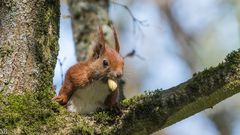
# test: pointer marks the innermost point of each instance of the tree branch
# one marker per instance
(185, 40)
(136, 22)
(156, 110)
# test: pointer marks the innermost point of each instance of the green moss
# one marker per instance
(200, 104)
(83, 130)
(46, 33)
(104, 117)
(234, 57)
(5, 50)
(8, 3)
(132, 101)
(36, 113)
(26, 112)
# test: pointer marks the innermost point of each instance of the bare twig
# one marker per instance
(185, 40)
(61, 69)
(66, 17)
(133, 53)
(136, 22)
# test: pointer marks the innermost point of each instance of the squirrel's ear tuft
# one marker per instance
(117, 46)
(100, 46)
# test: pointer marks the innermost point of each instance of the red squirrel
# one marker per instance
(85, 86)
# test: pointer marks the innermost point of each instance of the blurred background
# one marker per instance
(172, 39)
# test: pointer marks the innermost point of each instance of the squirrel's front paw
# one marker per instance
(62, 100)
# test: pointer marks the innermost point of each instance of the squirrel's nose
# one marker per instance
(119, 75)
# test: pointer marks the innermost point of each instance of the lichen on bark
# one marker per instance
(28, 44)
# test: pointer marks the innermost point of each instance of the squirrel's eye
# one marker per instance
(105, 63)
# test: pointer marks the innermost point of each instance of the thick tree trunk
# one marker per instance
(87, 15)
(28, 44)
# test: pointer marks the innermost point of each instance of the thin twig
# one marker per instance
(66, 16)
(133, 53)
(61, 69)
(136, 22)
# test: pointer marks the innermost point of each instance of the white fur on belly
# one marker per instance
(88, 99)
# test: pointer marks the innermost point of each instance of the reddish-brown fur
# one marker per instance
(82, 74)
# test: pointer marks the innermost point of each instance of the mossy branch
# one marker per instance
(156, 110)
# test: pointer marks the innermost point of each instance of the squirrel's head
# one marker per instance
(107, 61)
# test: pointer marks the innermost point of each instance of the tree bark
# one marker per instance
(87, 15)
(28, 44)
